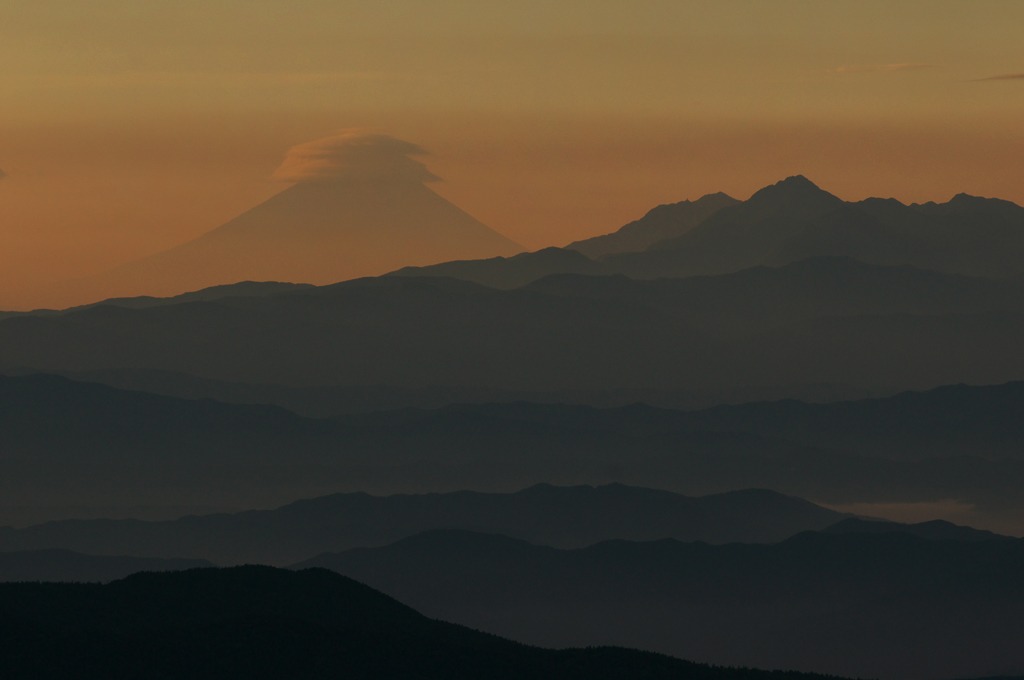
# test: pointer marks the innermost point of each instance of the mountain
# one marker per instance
(384, 331)
(72, 449)
(935, 530)
(763, 299)
(660, 224)
(969, 234)
(745, 313)
(258, 622)
(890, 606)
(241, 289)
(551, 515)
(786, 222)
(69, 447)
(318, 232)
(65, 565)
(510, 272)
(946, 421)
(897, 328)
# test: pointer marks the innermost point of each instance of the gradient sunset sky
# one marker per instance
(130, 126)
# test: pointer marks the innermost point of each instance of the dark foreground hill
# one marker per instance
(888, 605)
(559, 516)
(258, 622)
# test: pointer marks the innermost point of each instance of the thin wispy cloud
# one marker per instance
(882, 68)
(1002, 76)
(170, 79)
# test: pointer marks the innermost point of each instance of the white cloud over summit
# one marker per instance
(354, 155)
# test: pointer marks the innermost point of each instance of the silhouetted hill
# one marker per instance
(510, 272)
(67, 444)
(950, 420)
(559, 516)
(871, 605)
(66, 565)
(390, 331)
(763, 332)
(784, 309)
(765, 299)
(70, 449)
(794, 220)
(934, 530)
(211, 294)
(258, 622)
(660, 224)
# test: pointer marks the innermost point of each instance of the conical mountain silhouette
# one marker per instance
(323, 229)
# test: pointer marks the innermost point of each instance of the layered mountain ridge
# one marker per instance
(783, 223)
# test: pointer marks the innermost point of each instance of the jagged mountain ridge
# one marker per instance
(792, 220)
(659, 224)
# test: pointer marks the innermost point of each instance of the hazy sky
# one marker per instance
(128, 126)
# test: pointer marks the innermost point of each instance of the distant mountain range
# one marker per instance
(258, 622)
(73, 449)
(792, 293)
(887, 605)
(765, 332)
(933, 530)
(561, 367)
(786, 222)
(558, 516)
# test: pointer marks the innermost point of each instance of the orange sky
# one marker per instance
(128, 127)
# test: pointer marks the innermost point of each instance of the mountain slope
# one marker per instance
(511, 272)
(660, 224)
(935, 530)
(783, 327)
(947, 421)
(892, 606)
(257, 622)
(559, 516)
(318, 232)
(793, 220)
(70, 449)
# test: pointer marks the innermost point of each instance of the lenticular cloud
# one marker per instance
(354, 155)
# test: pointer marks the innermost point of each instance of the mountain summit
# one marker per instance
(358, 207)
